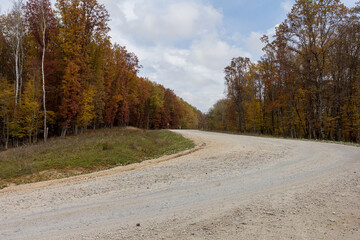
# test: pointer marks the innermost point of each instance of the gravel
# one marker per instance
(229, 187)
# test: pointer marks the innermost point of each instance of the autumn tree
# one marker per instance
(14, 33)
(311, 30)
(236, 81)
(42, 25)
(6, 110)
(29, 111)
(66, 64)
(218, 117)
(307, 82)
(82, 24)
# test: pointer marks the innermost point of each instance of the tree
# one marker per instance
(6, 107)
(29, 112)
(67, 65)
(82, 22)
(311, 29)
(218, 115)
(42, 25)
(14, 32)
(236, 80)
(307, 83)
(153, 105)
(87, 103)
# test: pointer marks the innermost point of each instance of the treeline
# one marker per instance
(307, 84)
(60, 74)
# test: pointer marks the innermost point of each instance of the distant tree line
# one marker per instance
(60, 74)
(307, 84)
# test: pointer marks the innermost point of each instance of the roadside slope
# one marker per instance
(91, 151)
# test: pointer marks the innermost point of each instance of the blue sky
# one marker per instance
(186, 44)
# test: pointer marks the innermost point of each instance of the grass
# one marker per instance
(89, 152)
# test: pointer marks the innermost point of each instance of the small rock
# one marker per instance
(332, 220)
(138, 224)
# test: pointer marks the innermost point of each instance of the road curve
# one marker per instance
(234, 187)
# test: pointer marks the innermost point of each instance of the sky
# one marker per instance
(186, 44)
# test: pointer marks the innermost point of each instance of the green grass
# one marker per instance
(89, 152)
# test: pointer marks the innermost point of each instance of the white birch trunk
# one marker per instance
(17, 33)
(43, 76)
(16, 71)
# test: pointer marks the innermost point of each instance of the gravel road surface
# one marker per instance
(232, 187)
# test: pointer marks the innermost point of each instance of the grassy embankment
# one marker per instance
(89, 152)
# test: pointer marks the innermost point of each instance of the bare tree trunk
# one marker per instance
(16, 40)
(16, 73)
(21, 64)
(63, 132)
(43, 80)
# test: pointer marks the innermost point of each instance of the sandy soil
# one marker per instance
(232, 187)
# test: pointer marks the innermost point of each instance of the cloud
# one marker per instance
(196, 74)
(129, 10)
(287, 5)
(255, 45)
(349, 3)
(213, 52)
(161, 21)
(179, 43)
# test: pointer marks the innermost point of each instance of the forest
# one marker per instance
(307, 83)
(60, 75)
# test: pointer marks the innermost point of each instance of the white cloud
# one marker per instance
(195, 78)
(213, 52)
(178, 43)
(165, 21)
(176, 57)
(349, 3)
(287, 5)
(129, 10)
(254, 43)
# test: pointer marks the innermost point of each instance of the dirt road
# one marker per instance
(235, 187)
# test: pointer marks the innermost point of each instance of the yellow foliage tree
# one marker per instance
(29, 114)
(87, 106)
